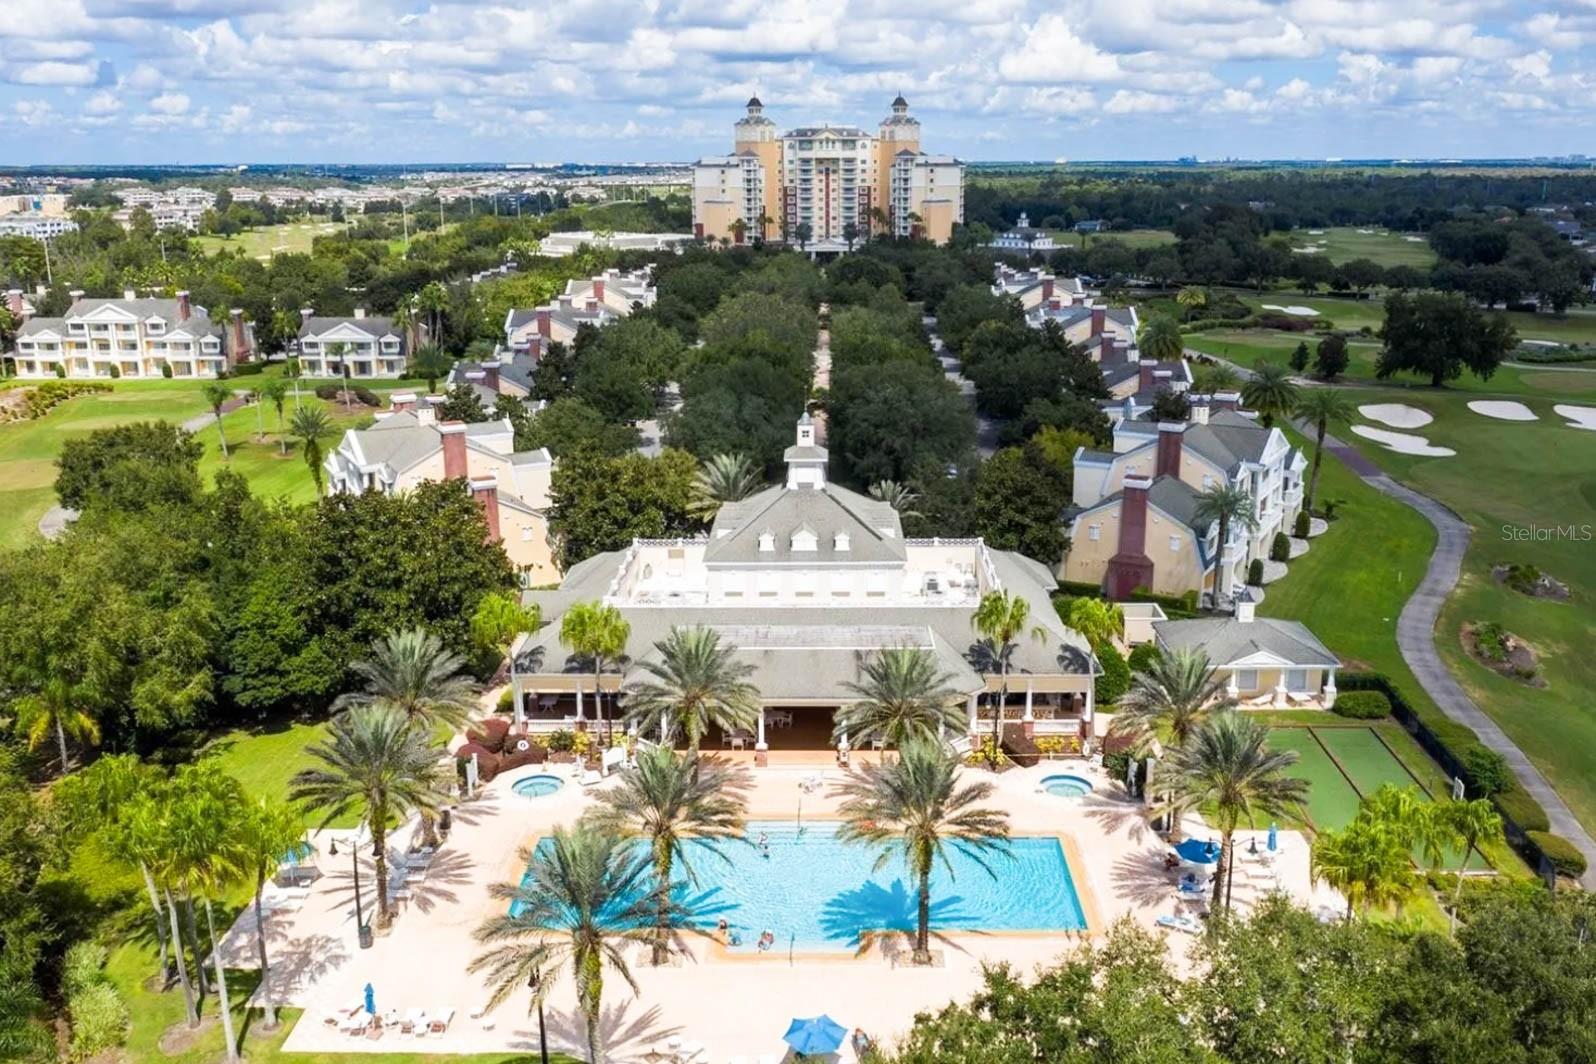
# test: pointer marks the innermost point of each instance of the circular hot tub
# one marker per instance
(1066, 786)
(539, 786)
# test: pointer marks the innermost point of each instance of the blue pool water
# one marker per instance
(539, 786)
(1066, 786)
(817, 893)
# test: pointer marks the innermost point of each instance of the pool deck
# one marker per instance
(733, 1004)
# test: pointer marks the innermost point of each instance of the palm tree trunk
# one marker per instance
(270, 1023)
(160, 924)
(182, 963)
(1224, 562)
(1230, 866)
(997, 715)
(1457, 890)
(590, 995)
(922, 931)
(1313, 478)
(380, 861)
(194, 944)
(226, 1006)
(221, 432)
(60, 740)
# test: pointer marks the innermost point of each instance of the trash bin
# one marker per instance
(365, 936)
(445, 820)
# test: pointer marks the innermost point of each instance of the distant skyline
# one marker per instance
(383, 81)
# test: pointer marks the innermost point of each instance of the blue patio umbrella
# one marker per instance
(371, 1001)
(1198, 851)
(819, 1034)
(1274, 837)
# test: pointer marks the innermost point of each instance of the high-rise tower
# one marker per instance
(756, 135)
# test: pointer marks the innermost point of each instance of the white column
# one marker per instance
(579, 700)
(1329, 693)
(974, 711)
(759, 739)
(515, 704)
(1029, 685)
(1090, 711)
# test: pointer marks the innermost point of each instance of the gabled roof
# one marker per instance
(375, 327)
(734, 537)
(1228, 438)
(1226, 640)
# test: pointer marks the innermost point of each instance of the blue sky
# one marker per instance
(198, 81)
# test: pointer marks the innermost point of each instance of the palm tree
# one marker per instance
(145, 827)
(405, 319)
(1471, 823)
(723, 478)
(803, 232)
(499, 618)
(258, 399)
(1160, 338)
(582, 899)
(291, 373)
(1366, 861)
(598, 633)
(218, 395)
(431, 365)
(739, 229)
(433, 300)
(1191, 298)
(914, 808)
(1270, 391)
(312, 425)
(373, 761)
(1171, 698)
(850, 233)
(413, 672)
(59, 707)
(1227, 765)
(275, 391)
(697, 682)
(1228, 504)
(669, 800)
(900, 497)
(263, 836)
(1097, 619)
(1001, 618)
(1319, 407)
(1215, 377)
(904, 694)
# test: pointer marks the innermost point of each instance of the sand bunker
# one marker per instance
(1402, 443)
(1293, 310)
(1503, 410)
(1397, 415)
(1316, 232)
(1414, 239)
(1579, 417)
(1306, 251)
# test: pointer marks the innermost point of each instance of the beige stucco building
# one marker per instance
(131, 338)
(839, 184)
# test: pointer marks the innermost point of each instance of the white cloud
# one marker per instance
(170, 103)
(102, 103)
(1053, 54)
(52, 73)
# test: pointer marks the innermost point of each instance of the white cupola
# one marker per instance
(806, 459)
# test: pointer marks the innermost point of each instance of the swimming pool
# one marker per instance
(816, 893)
(539, 786)
(1066, 786)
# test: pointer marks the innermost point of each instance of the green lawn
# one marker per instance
(1508, 476)
(1379, 245)
(263, 243)
(1131, 238)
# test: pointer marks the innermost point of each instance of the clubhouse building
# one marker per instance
(806, 580)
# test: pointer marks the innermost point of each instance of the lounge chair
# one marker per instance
(414, 1021)
(690, 1052)
(337, 1016)
(355, 1024)
(438, 1022)
(591, 776)
(1181, 923)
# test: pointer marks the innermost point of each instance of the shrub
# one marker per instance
(1303, 523)
(1142, 656)
(60, 371)
(1280, 548)
(100, 1020)
(1486, 771)
(1564, 856)
(1519, 806)
(82, 967)
(1523, 578)
(562, 741)
(1116, 675)
(1255, 573)
(166, 371)
(1362, 705)
(116, 373)
(490, 734)
(507, 700)
(1114, 765)
(487, 761)
(984, 752)
(514, 757)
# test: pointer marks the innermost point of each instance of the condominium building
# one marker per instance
(373, 347)
(36, 224)
(827, 186)
(591, 301)
(132, 338)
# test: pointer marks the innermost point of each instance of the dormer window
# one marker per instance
(804, 539)
(839, 542)
(767, 541)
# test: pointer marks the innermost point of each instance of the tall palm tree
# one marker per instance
(697, 682)
(1319, 407)
(1227, 765)
(1160, 338)
(312, 425)
(1215, 377)
(904, 694)
(433, 300)
(1471, 823)
(915, 809)
(723, 478)
(145, 829)
(1097, 619)
(1171, 698)
(583, 898)
(58, 707)
(263, 835)
(1270, 391)
(1228, 504)
(1366, 861)
(412, 671)
(669, 800)
(1191, 298)
(218, 395)
(597, 633)
(375, 762)
(900, 497)
(1001, 618)
(430, 364)
(275, 392)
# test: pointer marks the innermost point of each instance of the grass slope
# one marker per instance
(1379, 245)
(263, 243)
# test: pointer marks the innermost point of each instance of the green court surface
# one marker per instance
(1332, 801)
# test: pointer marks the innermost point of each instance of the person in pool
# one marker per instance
(764, 845)
(767, 939)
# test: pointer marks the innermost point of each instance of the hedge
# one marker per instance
(1564, 856)
(1362, 705)
(1115, 678)
(1280, 548)
(1519, 806)
(1182, 607)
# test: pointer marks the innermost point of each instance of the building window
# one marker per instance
(1174, 544)
(1246, 680)
(1297, 680)
(1094, 532)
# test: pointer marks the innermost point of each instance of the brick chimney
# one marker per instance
(305, 314)
(1170, 434)
(545, 325)
(1226, 400)
(241, 349)
(184, 310)
(454, 448)
(1099, 320)
(1131, 567)
(14, 302)
(1145, 375)
(402, 402)
(486, 493)
(490, 376)
(598, 289)
(1047, 289)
